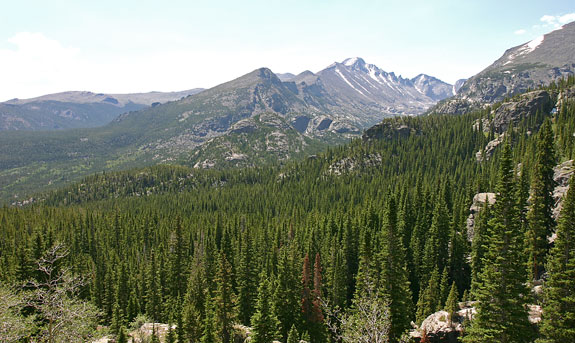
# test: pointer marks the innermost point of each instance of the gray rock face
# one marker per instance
(487, 152)
(454, 106)
(526, 105)
(562, 174)
(389, 130)
(479, 201)
(433, 88)
(538, 62)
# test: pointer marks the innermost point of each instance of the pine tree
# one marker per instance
(153, 295)
(437, 243)
(247, 281)
(171, 335)
(209, 334)
(501, 312)
(224, 301)
(558, 320)
(479, 246)
(122, 336)
(306, 297)
(443, 288)
(452, 304)
(429, 298)
(293, 336)
(193, 309)
(265, 323)
(540, 215)
(394, 280)
(287, 292)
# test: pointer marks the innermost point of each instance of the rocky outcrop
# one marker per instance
(350, 164)
(436, 327)
(389, 129)
(564, 96)
(521, 107)
(562, 174)
(479, 201)
(454, 106)
(487, 152)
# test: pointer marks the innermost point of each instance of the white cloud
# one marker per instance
(520, 32)
(557, 20)
(34, 64)
(567, 18)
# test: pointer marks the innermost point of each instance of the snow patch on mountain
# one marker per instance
(349, 83)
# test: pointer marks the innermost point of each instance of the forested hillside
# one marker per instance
(304, 249)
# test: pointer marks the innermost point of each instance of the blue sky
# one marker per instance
(136, 46)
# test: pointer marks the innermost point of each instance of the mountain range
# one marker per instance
(254, 119)
(77, 109)
(262, 117)
(538, 62)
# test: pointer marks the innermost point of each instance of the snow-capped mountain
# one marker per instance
(538, 62)
(433, 87)
(366, 94)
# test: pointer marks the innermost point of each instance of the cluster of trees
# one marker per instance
(300, 252)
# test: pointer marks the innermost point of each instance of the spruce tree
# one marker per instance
(265, 324)
(558, 320)
(209, 334)
(287, 292)
(153, 295)
(293, 336)
(193, 309)
(429, 298)
(170, 335)
(479, 245)
(122, 336)
(540, 215)
(247, 281)
(394, 279)
(501, 312)
(443, 288)
(452, 304)
(224, 301)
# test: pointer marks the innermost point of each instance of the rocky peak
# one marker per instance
(515, 110)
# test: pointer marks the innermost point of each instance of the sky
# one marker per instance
(125, 46)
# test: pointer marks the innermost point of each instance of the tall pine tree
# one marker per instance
(501, 311)
(558, 322)
(264, 322)
(540, 215)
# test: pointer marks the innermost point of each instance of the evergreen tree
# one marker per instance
(394, 280)
(287, 292)
(193, 309)
(293, 336)
(540, 215)
(265, 323)
(437, 243)
(247, 281)
(501, 312)
(452, 304)
(209, 334)
(443, 288)
(170, 335)
(429, 298)
(479, 245)
(224, 301)
(153, 295)
(122, 336)
(558, 320)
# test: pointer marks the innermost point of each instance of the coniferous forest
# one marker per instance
(357, 244)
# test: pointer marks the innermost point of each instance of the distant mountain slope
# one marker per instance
(530, 65)
(252, 120)
(77, 109)
(367, 94)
